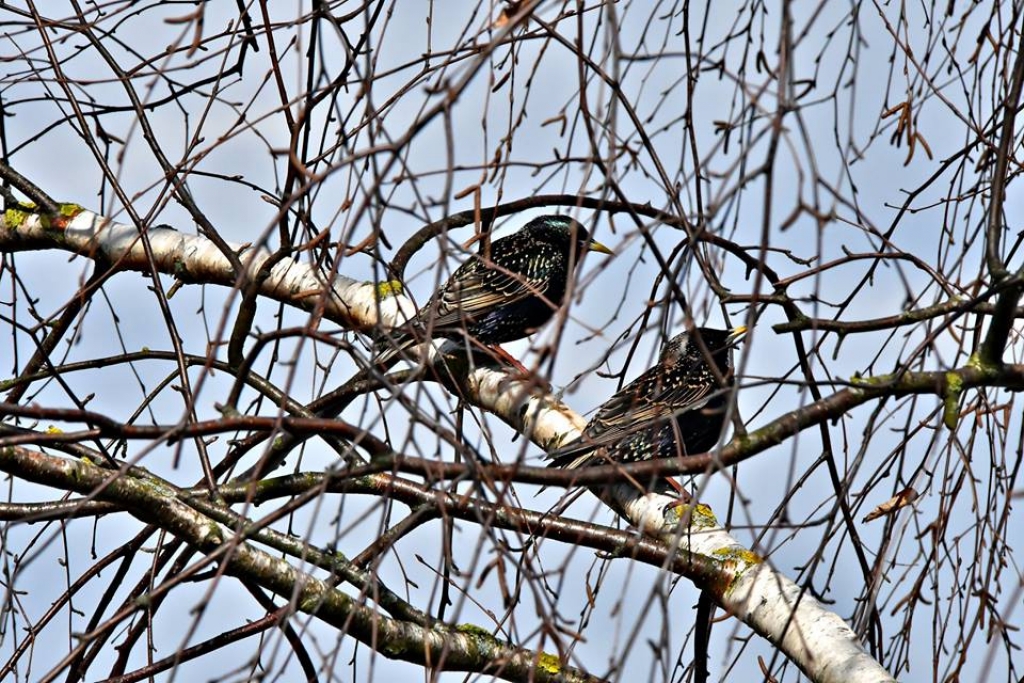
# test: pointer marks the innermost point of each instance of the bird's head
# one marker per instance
(682, 348)
(562, 230)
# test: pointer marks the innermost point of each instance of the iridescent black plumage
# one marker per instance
(675, 408)
(505, 296)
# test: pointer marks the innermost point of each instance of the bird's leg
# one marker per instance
(682, 495)
(503, 355)
(495, 352)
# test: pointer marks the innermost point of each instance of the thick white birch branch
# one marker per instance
(814, 638)
(817, 640)
(192, 258)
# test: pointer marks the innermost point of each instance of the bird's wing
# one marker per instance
(636, 407)
(481, 289)
(645, 401)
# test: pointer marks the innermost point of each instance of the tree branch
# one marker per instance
(438, 647)
(817, 640)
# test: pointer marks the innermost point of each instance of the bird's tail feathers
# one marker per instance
(391, 346)
(573, 455)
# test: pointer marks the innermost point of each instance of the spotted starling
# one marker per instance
(504, 296)
(675, 408)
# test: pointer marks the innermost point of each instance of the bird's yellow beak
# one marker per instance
(594, 245)
(737, 334)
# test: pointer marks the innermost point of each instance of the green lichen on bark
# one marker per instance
(736, 561)
(180, 270)
(951, 400)
(699, 516)
(549, 663)
(15, 216)
(389, 289)
(60, 220)
(738, 554)
(474, 630)
(704, 516)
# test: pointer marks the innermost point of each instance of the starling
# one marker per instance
(503, 297)
(675, 408)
